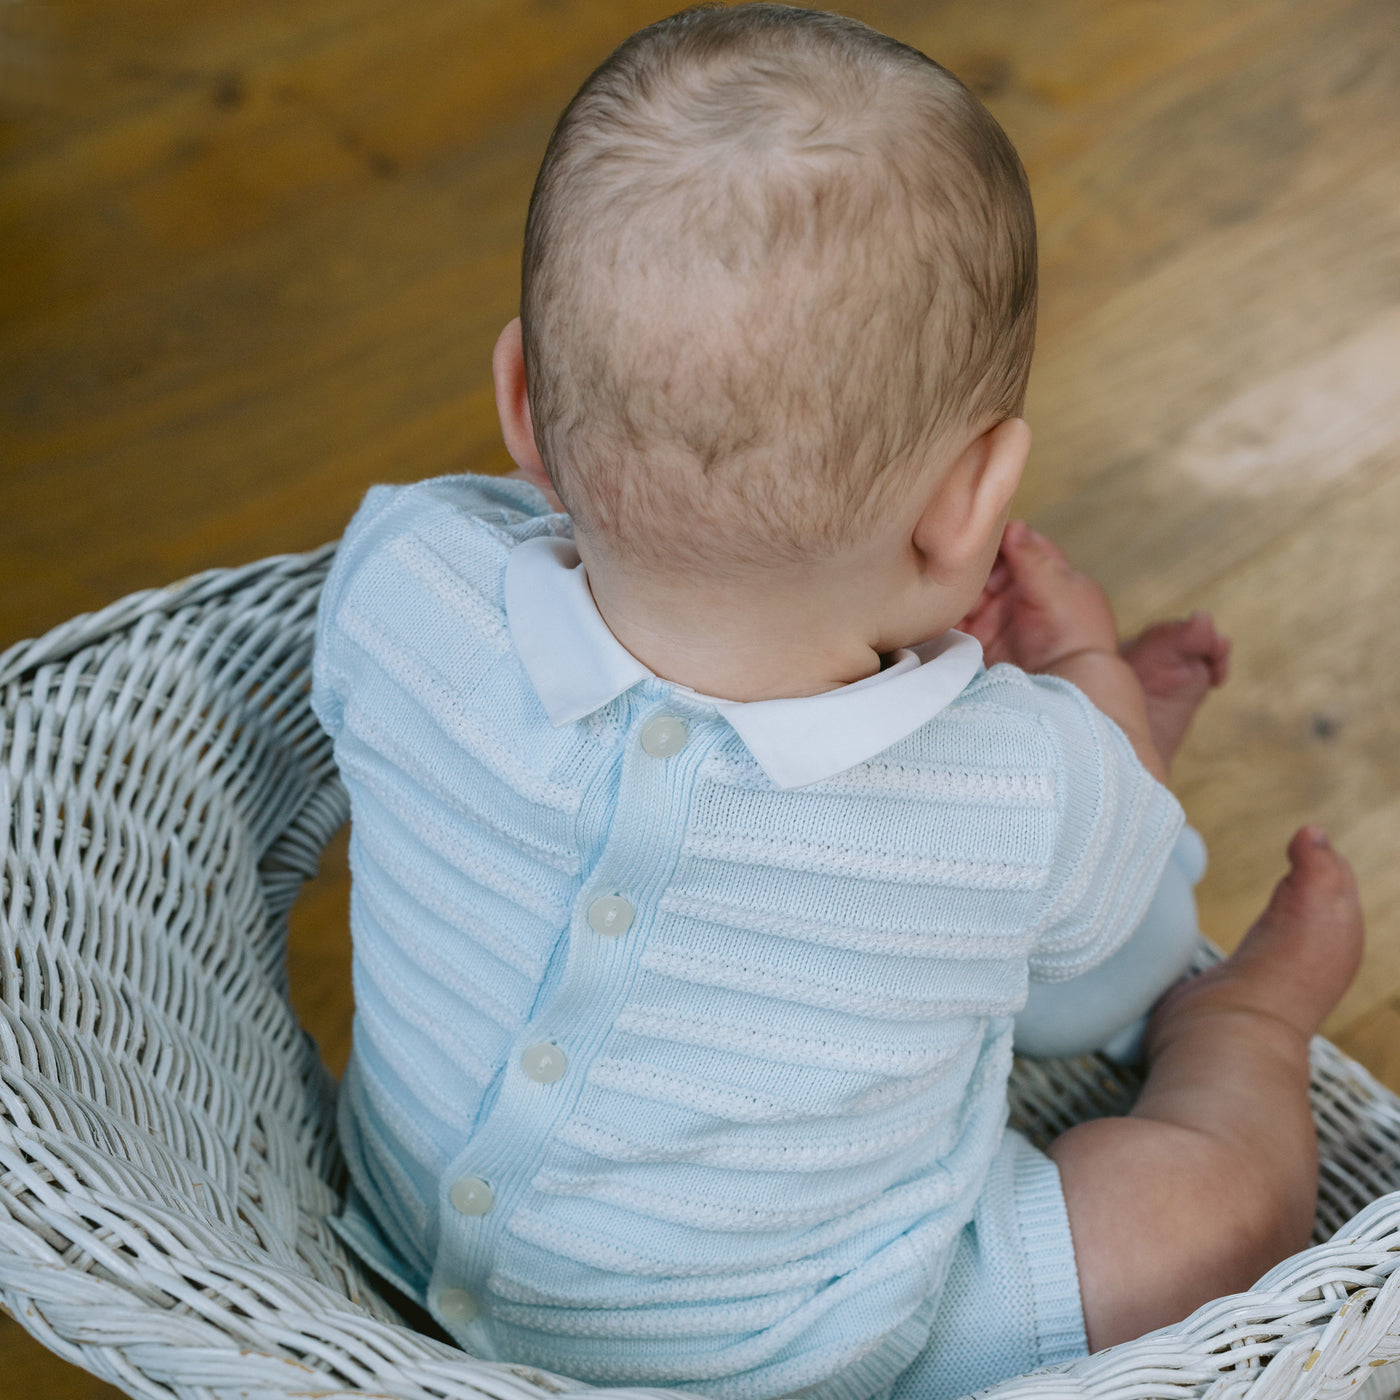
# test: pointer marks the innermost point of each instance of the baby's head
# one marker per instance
(775, 263)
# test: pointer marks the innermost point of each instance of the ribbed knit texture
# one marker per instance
(1011, 1300)
(786, 1080)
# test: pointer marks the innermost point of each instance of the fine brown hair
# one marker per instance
(771, 255)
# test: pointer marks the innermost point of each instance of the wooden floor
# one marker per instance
(253, 255)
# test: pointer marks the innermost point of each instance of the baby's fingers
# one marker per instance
(986, 621)
(1030, 556)
(1220, 664)
(992, 591)
(998, 580)
(1201, 640)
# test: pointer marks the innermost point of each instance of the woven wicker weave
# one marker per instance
(167, 1160)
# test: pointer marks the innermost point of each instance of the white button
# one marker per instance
(610, 914)
(457, 1305)
(544, 1063)
(664, 735)
(472, 1196)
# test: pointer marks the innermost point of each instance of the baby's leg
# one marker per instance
(1212, 1179)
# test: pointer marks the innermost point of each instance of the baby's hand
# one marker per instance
(1041, 615)
(1035, 610)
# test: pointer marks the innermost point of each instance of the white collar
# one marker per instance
(577, 666)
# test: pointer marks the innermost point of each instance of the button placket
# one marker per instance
(470, 1195)
(457, 1305)
(664, 735)
(544, 1062)
(610, 915)
(542, 1079)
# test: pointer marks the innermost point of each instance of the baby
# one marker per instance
(702, 870)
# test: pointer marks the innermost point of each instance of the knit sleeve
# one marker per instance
(501, 505)
(1116, 828)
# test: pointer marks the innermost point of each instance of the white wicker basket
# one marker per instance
(167, 1159)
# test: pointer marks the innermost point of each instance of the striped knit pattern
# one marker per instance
(786, 1080)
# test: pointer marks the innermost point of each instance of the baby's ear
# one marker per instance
(513, 406)
(969, 505)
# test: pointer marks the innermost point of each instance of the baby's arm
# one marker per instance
(1043, 616)
(1106, 1008)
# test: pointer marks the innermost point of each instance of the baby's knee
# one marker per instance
(1253, 1208)
(1165, 1218)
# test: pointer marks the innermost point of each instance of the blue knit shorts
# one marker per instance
(1012, 1300)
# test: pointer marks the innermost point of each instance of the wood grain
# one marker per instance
(254, 253)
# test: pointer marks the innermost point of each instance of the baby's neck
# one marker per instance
(734, 641)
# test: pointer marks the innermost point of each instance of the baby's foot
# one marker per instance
(1297, 960)
(1176, 664)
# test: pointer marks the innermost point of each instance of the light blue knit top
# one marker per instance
(664, 1074)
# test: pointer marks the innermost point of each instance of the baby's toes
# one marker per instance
(1321, 884)
(1309, 939)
